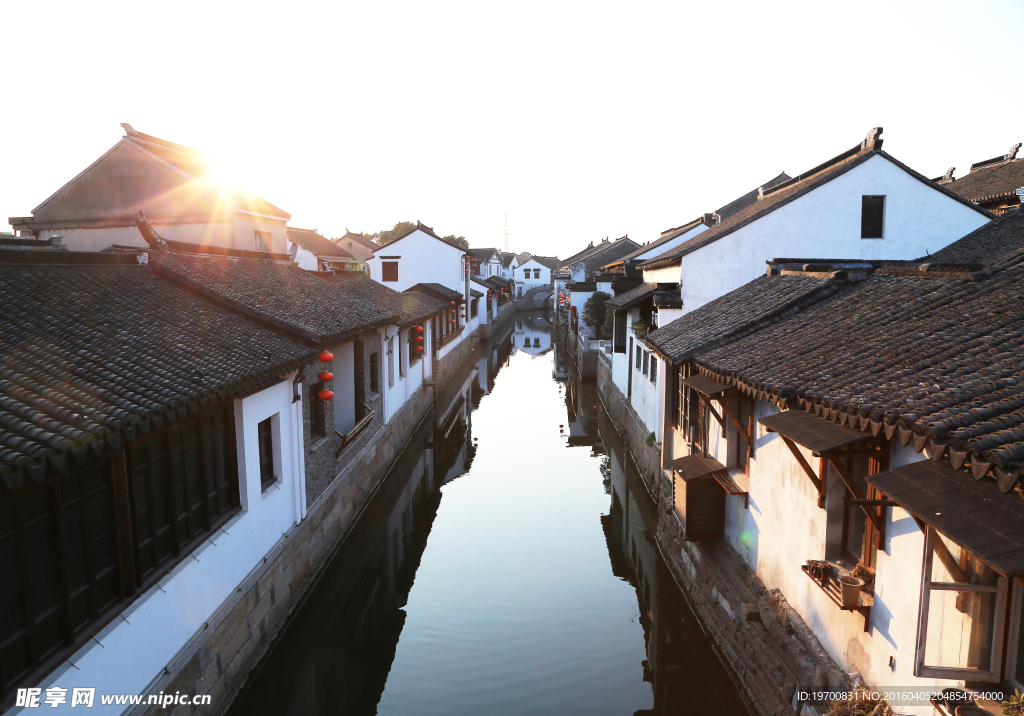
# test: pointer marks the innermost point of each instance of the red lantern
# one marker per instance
(419, 339)
(326, 356)
(419, 349)
(325, 394)
(451, 320)
(325, 376)
(419, 329)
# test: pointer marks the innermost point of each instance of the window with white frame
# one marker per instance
(960, 625)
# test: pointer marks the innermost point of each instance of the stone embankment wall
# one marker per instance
(770, 650)
(222, 657)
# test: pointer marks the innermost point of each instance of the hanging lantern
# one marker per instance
(419, 329)
(419, 349)
(451, 320)
(326, 356)
(419, 339)
(325, 376)
(325, 394)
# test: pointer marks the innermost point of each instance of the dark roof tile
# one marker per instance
(87, 354)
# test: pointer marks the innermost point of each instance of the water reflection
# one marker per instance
(541, 591)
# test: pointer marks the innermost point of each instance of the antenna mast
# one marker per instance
(506, 233)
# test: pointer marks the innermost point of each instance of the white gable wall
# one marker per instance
(422, 259)
(825, 223)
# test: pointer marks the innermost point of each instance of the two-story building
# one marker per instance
(176, 188)
(860, 205)
(853, 422)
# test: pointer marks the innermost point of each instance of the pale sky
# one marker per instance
(577, 120)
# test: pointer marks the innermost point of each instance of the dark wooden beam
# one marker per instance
(803, 463)
(707, 401)
(854, 489)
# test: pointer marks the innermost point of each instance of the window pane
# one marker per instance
(960, 629)
(266, 446)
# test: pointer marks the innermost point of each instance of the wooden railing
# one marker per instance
(451, 336)
(353, 433)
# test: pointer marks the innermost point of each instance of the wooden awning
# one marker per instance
(705, 385)
(693, 467)
(973, 513)
(816, 434)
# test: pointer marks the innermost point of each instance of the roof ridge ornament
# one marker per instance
(948, 176)
(873, 141)
(1012, 154)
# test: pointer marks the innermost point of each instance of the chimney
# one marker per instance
(873, 141)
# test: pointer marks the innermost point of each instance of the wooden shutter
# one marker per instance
(872, 212)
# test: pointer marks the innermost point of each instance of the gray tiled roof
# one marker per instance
(309, 306)
(88, 356)
(736, 313)
(632, 296)
(936, 356)
(988, 246)
(319, 245)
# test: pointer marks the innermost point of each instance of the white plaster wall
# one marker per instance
(305, 258)
(213, 233)
(343, 386)
(360, 251)
(783, 527)
(423, 259)
(669, 245)
(528, 283)
(668, 274)
(163, 620)
(246, 226)
(825, 223)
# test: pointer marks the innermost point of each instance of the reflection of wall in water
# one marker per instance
(683, 677)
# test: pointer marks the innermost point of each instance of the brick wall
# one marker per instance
(322, 467)
(243, 630)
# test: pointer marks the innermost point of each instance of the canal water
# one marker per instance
(506, 567)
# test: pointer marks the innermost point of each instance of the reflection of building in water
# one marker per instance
(532, 333)
(336, 656)
(684, 681)
(338, 650)
(581, 401)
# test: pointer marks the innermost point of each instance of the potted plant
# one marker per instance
(851, 587)
(639, 328)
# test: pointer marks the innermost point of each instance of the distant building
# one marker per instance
(995, 184)
(357, 245)
(314, 252)
(174, 187)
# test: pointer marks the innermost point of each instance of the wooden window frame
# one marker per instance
(1000, 589)
(375, 372)
(653, 374)
(70, 501)
(264, 238)
(265, 441)
(388, 271)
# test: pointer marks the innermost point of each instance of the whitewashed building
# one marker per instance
(860, 205)
(834, 420)
(174, 187)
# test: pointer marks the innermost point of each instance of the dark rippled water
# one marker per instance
(505, 568)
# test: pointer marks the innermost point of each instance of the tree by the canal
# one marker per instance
(594, 311)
